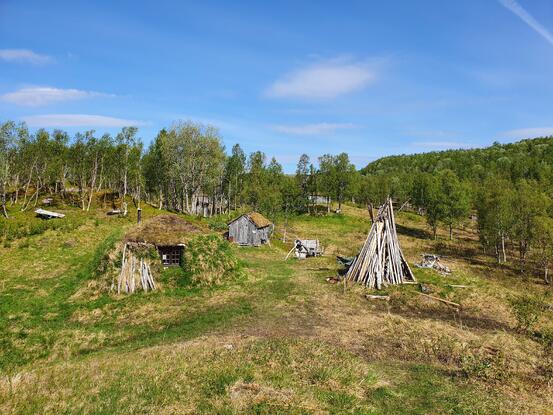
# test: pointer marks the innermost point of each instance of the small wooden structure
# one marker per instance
(381, 261)
(304, 248)
(168, 234)
(250, 229)
(46, 214)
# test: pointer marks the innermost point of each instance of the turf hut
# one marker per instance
(381, 261)
(250, 229)
(164, 237)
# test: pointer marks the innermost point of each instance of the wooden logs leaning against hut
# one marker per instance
(162, 239)
(135, 272)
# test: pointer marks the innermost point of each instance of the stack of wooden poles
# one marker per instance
(381, 261)
(135, 273)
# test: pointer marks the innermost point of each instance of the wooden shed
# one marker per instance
(250, 229)
(168, 233)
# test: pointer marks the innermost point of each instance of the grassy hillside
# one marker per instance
(280, 339)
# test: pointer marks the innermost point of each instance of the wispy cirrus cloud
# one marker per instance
(323, 80)
(24, 56)
(528, 133)
(312, 129)
(527, 18)
(79, 120)
(44, 95)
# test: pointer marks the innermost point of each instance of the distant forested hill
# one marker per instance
(526, 159)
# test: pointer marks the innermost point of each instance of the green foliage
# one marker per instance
(526, 159)
(218, 223)
(495, 208)
(146, 252)
(444, 197)
(174, 277)
(210, 260)
(337, 176)
(527, 310)
(23, 226)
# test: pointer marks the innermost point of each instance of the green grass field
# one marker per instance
(278, 339)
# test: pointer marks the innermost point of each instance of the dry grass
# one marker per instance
(163, 230)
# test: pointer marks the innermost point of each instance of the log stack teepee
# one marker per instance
(381, 261)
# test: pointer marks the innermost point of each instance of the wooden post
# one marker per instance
(370, 209)
(138, 215)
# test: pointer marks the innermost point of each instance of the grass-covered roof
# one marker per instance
(257, 218)
(163, 230)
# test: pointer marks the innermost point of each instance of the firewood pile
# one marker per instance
(135, 273)
(381, 261)
(433, 261)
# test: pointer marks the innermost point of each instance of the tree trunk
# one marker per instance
(450, 232)
(4, 210)
(160, 198)
(16, 189)
(522, 256)
(503, 247)
(27, 186)
(92, 185)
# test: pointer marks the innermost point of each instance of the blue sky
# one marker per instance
(365, 77)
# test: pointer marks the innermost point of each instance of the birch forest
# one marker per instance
(505, 188)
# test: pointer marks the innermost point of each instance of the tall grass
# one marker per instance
(23, 226)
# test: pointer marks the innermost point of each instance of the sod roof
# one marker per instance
(257, 218)
(163, 230)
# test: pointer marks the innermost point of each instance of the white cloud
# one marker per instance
(38, 96)
(323, 80)
(442, 144)
(79, 120)
(311, 129)
(24, 55)
(528, 133)
(527, 18)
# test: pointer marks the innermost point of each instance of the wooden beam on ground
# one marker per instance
(377, 297)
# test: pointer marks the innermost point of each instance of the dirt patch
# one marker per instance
(243, 395)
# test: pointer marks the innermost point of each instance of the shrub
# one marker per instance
(490, 365)
(209, 260)
(173, 277)
(218, 223)
(546, 366)
(527, 311)
(145, 251)
(16, 228)
(24, 244)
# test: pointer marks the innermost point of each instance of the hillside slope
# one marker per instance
(530, 159)
(279, 340)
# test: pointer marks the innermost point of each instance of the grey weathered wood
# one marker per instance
(48, 214)
(244, 232)
(381, 261)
